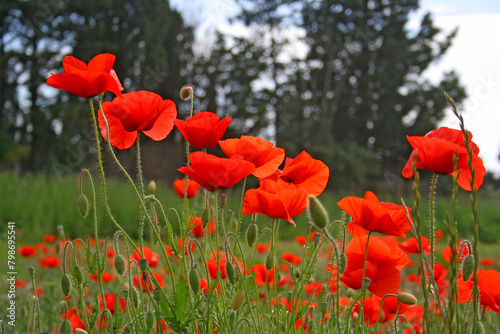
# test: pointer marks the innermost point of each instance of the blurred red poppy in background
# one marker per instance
(87, 80)
(489, 289)
(212, 172)
(203, 129)
(383, 265)
(131, 112)
(371, 215)
(435, 152)
(151, 286)
(410, 246)
(198, 230)
(275, 200)
(27, 251)
(180, 187)
(148, 254)
(49, 261)
(260, 152)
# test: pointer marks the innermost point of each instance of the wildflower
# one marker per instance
(436, 151)
(383, 264)
(27, 251)
(148, 254)
(314, 287)
(410, 246)
(275, 200)
(180, 187)
(301, 240)
(106, 276)
(309, 174)
(49, 238)
(489, 293)
(151, 286)
(87, 80)
(131, 112)
(371, 215)
(204, 129)
(213, 173)
(74, 319)
(49, 261)
(260, 152)
(198, 230)
(261, 248)
(291, 258)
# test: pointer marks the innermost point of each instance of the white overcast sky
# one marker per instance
(474, 55)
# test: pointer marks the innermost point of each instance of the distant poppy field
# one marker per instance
(380, 267)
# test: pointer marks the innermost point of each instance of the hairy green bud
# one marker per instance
(252, 232)
(238, 299)
(317, 212)
(406, 298)
(65, 285)
(82, 204)
(119, 263)
(194, 281)
(230, 272)
(468, 265)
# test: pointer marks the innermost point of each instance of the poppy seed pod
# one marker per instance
(252, 232)
(65, 327)
(82, 203)
(406, 298)
(194, 281)
(468, 266)
(65, 285)
(365, 283)
(317, 212)
(31, 271)
(143, 264)
(152, 187)
(186, 92)
(238, 299)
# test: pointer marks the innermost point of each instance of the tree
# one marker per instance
(361, 86)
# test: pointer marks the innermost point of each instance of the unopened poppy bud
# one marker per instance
(80, 331)
(342, 263)
(143, 264)
(152, 187)
(468, 267)
(205, 217)
(194, 281)
(223, 200)
(310, 327)
(317, 212)
(238, 299)
(324, 308)
(82, 204)
(65, 285)
(232, 318)
(157, 294)
(134, 296)
(31, 271)
(57, 247)
(365, 283)
(186, 92)
(406, 298)
(78, 274)
(65, 327)
(237, 272)
(269, 261)
(479, 329)
(119, 263)
(252, 232)
(230, 272)
(150, 320)
(317, 237)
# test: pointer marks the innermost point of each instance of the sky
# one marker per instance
(474, 55)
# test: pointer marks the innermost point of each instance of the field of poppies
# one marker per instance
(379, 267)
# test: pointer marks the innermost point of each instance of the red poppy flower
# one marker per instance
(204, 288)
(180, 186)
(110, 300)
(291, 258)
(220, 258)
(314, 287)
(260, 152)
(446, 253)
(151, 286)
(371, 215)
(383, 265)
(49, 261)
(275, 200)
(261, 248)
(307, 173)
(27, 251)
(213, 173)
(261, 274)
(148, 254)
(198, 231)
(106, 277)
(204, 129)
(49, 238)
(301, 240)
(410, 246)
(487, 262)
(74, 319)
(435, 152)
(489, 289)
(179, 247)
(87, 80)
(131, 112)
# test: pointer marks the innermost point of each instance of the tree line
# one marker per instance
(341, 79)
